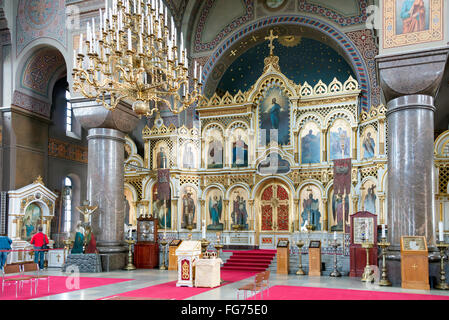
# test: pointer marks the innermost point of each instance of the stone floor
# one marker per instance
(144, 278)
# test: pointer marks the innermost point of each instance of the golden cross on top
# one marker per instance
(271, 37)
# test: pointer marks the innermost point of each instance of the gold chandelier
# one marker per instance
(134, 56)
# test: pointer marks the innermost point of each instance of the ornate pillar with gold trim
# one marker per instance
(354, 143)
(203, 213)
(381, 208)
(325, 223)
(296, 215)
(355, 203)
(203, 153)
(174, 214)
(324, 137)
(381, 135)
(226, 214)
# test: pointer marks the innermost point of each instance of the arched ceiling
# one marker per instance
(256, 38)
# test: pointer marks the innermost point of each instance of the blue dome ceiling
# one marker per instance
(310, 61)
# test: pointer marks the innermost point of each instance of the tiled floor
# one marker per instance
(144, 278)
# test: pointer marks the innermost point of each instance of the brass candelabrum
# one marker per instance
(130, 265)
(300, 244)
(204, 245)
(384, 244)
(366, 276)
(163, 244)
(442, 285)
(335, 272)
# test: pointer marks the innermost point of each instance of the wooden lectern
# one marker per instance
(315, 258)
(283, 256)
(172, 259)
(414, 263)
(188, 253)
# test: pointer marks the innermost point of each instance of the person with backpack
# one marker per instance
(40, 242)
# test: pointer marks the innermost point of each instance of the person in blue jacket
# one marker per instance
(5, 244)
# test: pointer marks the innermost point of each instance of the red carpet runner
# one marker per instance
(58, 284)
(310, 293)
(250, 260)
(169, 290)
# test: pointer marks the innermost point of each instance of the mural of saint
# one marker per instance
(215, 155)
(340, 142)
(412, 16)
(127, 151)
(239, 153)
(310, 145)
(161, 211)
(239, 214)
(337, 212)
(215, 210)
(161, 159)
(130, 208)
(275, 116)
(368, 146)
(31, 220)
(311, 208)
(188, 209)
(187, 159)
(370, 200)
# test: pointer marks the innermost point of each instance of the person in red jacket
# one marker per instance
(39, 240)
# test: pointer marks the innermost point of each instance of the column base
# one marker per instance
(113, 257)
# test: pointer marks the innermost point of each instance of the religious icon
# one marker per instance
(239, 153)
(239, 214)
(188, 209)
(368, 144)
(215, 210)
(188, 158)
(162, 210)
(339, 212)
(340, 142)
(32, 219)
(161, 159)
(215, 155)
(369, 201)
(130, 208)
(275, 117)
(311, 207)
(413, 16)
(310, 144)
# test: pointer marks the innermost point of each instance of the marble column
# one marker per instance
(105, 178)
(410, 119)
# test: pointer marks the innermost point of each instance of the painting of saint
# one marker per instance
(369, 201)
(188, 161)
(413, 16)
(161, 210)
(338, 212)
(215, 205)
(239, 153)
(31, 220)
(127, 150)
(310, 144)
(161, 158)
(339, 140)
(239, 213)
(188, 206)
(215, 154)
(130, 208)
(311, 207)
(368, 144)
(275, 117)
